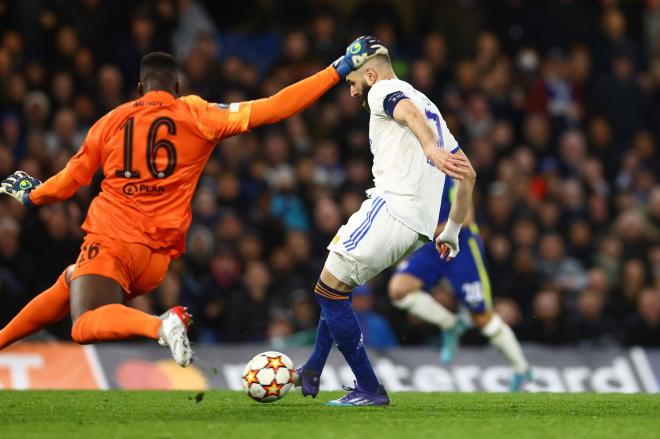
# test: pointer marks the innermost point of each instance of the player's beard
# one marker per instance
(365, 96)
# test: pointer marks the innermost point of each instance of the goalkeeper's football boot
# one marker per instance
(308, 381)
(186, 317)
(174, 333)
(357, 397)
(450, 339)
(520, 381)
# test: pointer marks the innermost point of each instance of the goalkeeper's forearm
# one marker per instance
(292, 99)
(59, 187)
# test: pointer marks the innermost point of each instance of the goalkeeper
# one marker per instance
(152, 152)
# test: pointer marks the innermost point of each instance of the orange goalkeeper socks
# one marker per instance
(114, 322)
(47, 308)
(109, 322)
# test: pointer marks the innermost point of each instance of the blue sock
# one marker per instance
(322, 347)
(345, 330)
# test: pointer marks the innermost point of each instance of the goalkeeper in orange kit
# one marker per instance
(152, 152)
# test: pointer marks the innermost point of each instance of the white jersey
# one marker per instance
(409, 183)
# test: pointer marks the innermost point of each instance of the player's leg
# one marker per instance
(45, 309)
(473, 289)
(333, 296)
(502, 337)
(420, 271)
(98, 312)
(308, 377)
(370, 242)
(339, 323)
(100, 284)
(99, 315)
(425, 268)
(175, 321)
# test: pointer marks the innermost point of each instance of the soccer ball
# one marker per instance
(268, 376)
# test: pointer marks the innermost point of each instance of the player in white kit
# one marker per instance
(413, 151)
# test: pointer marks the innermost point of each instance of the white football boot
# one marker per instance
(174, 333)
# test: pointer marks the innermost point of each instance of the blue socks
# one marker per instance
(322, 347)
(339, 323)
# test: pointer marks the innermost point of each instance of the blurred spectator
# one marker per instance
(552, 94)
(643, 329)
(509, 311)
(193, 21)
(65, 135)
(621, 99)
(279, 328)
(249, 310)
(376, 330)
(590, 325)
(557, 268)
(652, 28)
(560, 122)
(303, 310)
(653, 214)
(11, 294)
(15, 259)
(549, 323)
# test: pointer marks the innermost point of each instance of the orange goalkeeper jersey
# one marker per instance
(153, 151)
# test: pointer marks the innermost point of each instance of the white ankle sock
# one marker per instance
(502, 337)
(424, 306)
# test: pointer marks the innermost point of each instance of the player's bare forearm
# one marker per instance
(463, 200)
(447, 242)
(408, 114)
(59, 187)
(292, 99)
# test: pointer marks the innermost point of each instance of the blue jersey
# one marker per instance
(447, 198)
(466, 273)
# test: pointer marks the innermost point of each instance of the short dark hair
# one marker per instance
(382, 58)
(158, 66)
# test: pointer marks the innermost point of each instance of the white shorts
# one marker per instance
(371, 241)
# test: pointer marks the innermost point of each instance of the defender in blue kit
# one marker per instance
(469, 280)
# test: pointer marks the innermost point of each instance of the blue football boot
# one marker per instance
(450, 340)
(357, 397)
(308, 381)
(519, 381)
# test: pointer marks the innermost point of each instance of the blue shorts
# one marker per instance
(466, 273)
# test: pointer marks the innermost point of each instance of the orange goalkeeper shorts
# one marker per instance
(136, 267)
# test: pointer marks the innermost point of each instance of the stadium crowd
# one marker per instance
(557, 104)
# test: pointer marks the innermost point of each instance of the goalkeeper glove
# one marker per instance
(447, 241)
(357, 53)
(19, 185)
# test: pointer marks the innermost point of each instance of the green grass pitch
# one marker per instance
(225, 414)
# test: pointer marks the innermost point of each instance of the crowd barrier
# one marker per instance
(30, 365)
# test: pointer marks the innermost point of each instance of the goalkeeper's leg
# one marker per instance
(99, 315)
(106, 274)
(47, 308)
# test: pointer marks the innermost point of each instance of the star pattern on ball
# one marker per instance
(251, 377)
(273, 389)
(292, 376)
(275, 363)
